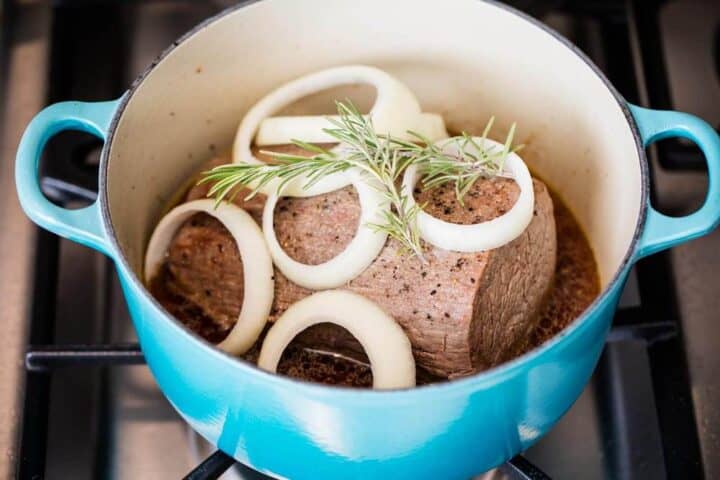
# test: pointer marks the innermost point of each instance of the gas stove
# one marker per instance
(77, 401)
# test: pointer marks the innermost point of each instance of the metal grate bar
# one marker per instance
(213, 466)
(650, 63)
(520, 468)
(47, 357)
(649, 332)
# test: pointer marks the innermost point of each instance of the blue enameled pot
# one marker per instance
(467, 59)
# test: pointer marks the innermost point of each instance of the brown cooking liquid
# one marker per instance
(576, 285)
(577, 281)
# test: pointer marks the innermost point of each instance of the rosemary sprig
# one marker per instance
(382, 158)
(465, 167)
(227, 179)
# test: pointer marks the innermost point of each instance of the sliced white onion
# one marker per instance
(309, 128)
(257, 265)
(351, 262)
(384, 341)
(485, 235)
(395, 111)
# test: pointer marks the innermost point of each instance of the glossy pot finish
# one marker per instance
(579, 132)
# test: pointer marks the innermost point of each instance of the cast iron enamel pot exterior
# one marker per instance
(211, 76)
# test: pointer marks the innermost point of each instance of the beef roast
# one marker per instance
(462, 312)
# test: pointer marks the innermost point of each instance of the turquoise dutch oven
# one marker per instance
(466, 59)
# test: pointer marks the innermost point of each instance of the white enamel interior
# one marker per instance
(463, 58)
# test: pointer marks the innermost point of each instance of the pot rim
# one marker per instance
(473, 382)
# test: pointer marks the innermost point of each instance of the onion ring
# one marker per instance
(349, 263)
(395, 110)
(384, 341)
(480, 236)
(257, 265)
(309, 128)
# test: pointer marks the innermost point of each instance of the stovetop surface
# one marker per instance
(649, 411)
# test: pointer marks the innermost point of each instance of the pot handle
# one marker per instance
(84, 225)
(662, 231)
